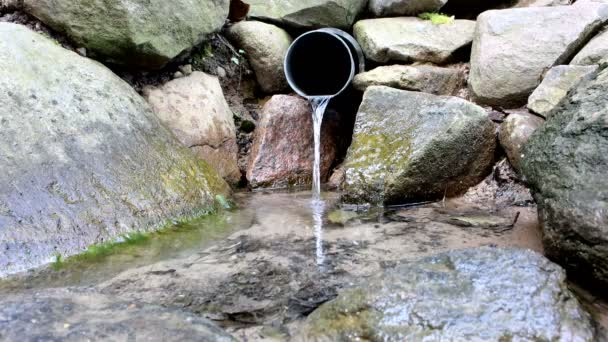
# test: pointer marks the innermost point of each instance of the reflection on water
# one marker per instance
(318, 211)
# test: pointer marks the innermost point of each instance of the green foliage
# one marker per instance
(436, 18)
(208, 50)
(58, 263)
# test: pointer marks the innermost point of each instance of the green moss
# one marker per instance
(341, 217)
(436, 18)
(102, 250)
(348, 315)
(58, 263)
(377, 147)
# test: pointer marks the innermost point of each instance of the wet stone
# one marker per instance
(65, 315)
(459, 295)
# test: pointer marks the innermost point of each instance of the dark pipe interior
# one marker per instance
(319, 64)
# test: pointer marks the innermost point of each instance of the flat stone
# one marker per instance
(555, 87)
(392, 8)
(308, 14)
(412, 39)
(542, 3)
(425, 78)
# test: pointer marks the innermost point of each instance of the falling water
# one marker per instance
(319, 105)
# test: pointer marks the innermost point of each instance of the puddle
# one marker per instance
(174, 242)
(260, 270)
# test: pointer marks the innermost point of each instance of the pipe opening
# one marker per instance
(319, 64)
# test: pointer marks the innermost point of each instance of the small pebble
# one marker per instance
(221, 72)
(186, 69)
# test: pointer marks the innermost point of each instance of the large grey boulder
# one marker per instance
(141, 33)
(266, 46)
(392, 8)
(565, 163)
(594, 51)
(555, 87)
(425, 78)
(514, 47)
(410, 146)
(408, 39)
(83, 157)
(515, 132)
(482, 294)
(195, 110)
(61, 315)
(308, 13)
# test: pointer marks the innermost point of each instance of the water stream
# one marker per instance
(319, 105)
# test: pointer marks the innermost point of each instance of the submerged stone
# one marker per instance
(54, 315)
(84, 159)
(410, 146)
(481, 294)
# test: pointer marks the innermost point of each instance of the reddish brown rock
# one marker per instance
(282, 151)
(515, 132)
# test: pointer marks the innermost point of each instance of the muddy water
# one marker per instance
(260, 270)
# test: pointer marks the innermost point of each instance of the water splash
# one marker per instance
(319, 105)
(318, 210)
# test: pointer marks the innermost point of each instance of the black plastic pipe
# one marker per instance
(323, 62)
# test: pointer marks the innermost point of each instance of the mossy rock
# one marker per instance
(411, 146)
(84, 159)
(482, 294)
